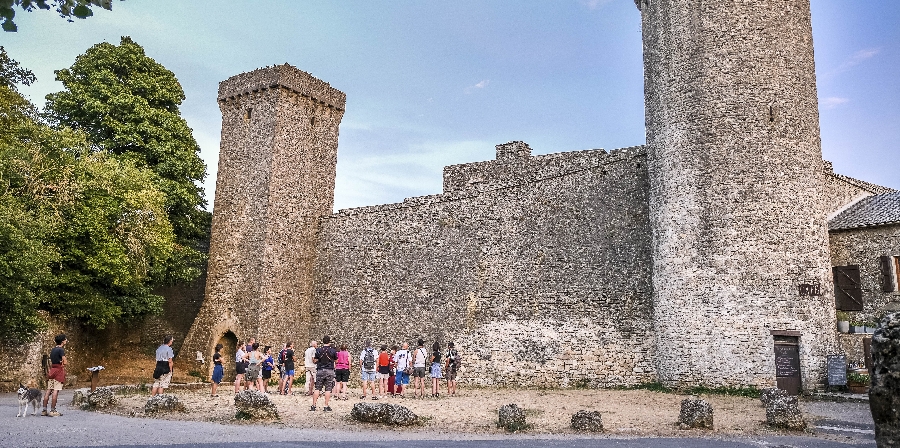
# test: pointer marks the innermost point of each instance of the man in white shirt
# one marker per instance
(401, 363)
(420, 358)
(310, 367)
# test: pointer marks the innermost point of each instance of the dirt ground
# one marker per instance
(474, 411)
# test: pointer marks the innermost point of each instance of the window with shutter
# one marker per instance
(887, 273)
(847, 290)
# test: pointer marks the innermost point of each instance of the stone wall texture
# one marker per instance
(864, 247)
(736, 173)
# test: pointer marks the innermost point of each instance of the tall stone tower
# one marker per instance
(277, 163)
(735, 168)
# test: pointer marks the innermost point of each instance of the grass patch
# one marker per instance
(749, 392)
(653, 387)
(197, 374)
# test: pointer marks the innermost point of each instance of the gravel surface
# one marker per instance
(85, 428)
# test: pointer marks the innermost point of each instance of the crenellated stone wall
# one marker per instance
(540, 274)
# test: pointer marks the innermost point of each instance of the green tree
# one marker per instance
(127, 104)
(66, 9)
(83, 234)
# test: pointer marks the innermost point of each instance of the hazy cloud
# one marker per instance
(832, 102)
(858, 58)
(482, 84)
(593, 4)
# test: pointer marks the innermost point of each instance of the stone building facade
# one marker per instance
(683, 261)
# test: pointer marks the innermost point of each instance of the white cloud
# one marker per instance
(832, 102)
(593, 4)
(482, 84)
(858, 58)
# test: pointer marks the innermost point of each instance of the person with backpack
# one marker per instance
(435, 369)
(324, 359)
(452, 367)
(367, 363)
(282, 372)
(419, 361)
(383, 371)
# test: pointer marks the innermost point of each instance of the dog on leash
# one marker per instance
(28, 395)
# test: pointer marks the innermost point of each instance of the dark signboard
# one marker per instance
(837, 370)
(787, 360)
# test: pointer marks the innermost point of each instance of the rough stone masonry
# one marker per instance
(675, 262)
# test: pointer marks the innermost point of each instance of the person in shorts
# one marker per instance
(254, 366)
(420, 358)
(218, 371)
(240, 367)
(267, 367)
(310, 365)
(324, 358)
(56, 377)
(435, 371)
(368, 360)
(452, 361)
(384, 370)
(402, 363)
(342, 373)
(289, 368)
(162, 374)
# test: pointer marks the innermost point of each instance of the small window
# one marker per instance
(890, 273)
(247, 114)
(312, 121)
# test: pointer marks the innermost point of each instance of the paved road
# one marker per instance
(82, 429)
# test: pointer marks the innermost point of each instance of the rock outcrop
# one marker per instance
(695, 413)
(384, 413)
(254, 405)
(884, 393)
(589, 421)
(783, 411)
(511, 417)
(163, 403)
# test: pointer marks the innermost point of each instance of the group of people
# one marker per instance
(383, 372)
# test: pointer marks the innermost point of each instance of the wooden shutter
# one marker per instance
(887, 274)
(847, 290)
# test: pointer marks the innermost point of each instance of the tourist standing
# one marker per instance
(384, 370)
(282, 372)
(421, 357)
(435, 369)
(342, 372)
(453, 361)
(367, 363)
(218, 371)
(240, 368)
(289, 368)
(310, 365)
(56, 377)
(324, 359)
(267, 366)
(162, 374)
(402, 363)
(254, 367)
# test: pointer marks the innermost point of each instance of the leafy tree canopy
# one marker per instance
(83, 233)
(127, 104)
(67, 9)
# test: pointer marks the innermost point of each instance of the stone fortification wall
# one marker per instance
(276, 179)
(735, 173)
(539, 282)
(864, 247)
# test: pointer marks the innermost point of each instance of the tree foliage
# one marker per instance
(67, 9)
(84, 233)
(127, 104)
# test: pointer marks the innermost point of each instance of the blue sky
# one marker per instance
(430, 83)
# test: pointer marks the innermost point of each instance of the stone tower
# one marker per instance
(277, 163)
(735, 171)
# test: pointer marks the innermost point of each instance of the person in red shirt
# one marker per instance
(384, 370)
(56, 377)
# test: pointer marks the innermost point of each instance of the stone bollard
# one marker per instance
(385, 413)
(884, 393)
(511, 417)
(587, 421)
(79, 397)
(254, 405)
(103, 397)
(695, 413)
(163, 403)
(783, 411)
(770, 394)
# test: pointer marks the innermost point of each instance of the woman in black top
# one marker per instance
(435, 368)
(218, 372)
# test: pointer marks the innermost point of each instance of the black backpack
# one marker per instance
(369, 360)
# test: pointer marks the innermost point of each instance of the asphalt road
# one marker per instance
(78, 428)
